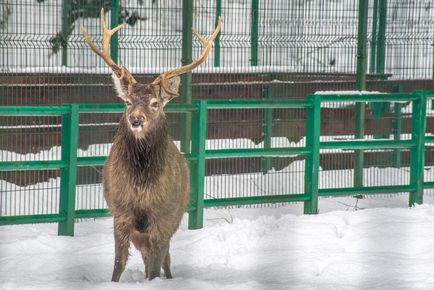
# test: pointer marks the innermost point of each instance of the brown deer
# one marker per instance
(145, 178)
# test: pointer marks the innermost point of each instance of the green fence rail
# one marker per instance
(199, 154)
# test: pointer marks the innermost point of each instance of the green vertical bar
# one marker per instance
(376, 107)
(397, 127)
(381, 42)
(69, 173)
(373, 50)
(217, 39)
(267, 129)
(417, 154)
(360, 86)
(66, 30)
(380, 108)
(381, 52)
(186, 79)
(397, 130)
(255, 34)
(114, 21)
(313, 128)
(195, 219)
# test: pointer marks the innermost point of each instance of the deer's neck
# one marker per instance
(144, 158)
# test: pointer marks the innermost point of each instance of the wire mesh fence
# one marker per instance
(290, 36)
(293, 47)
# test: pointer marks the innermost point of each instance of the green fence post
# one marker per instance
(114, 21)
(217, 39)
(397, 130)
(381, 41)
(373, 48)
(186, 79)
(417, 153)
(69, 173)
(380, 108)
(197, 174)
(267, 129)
(255, 34)
(313, 128)
(360, 86)
(66, 30)
(397, 127)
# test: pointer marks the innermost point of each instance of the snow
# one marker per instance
(266, 248)
(347, 92)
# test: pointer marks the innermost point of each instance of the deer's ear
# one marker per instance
(121, 86)
(173, 86)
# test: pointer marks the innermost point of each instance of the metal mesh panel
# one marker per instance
(23, 193)
(381, 167)
(409, 39)
(253, 176)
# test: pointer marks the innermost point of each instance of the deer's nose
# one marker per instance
(136, 120)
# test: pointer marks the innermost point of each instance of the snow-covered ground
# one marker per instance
(262, 248)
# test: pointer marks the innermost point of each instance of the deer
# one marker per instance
(145, 178)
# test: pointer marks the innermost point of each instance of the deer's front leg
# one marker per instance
(121, 251)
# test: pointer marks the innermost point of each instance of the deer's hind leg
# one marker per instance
(157, 255)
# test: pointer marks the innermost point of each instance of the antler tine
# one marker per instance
(200, 37)
(120, 72)
(164, 77)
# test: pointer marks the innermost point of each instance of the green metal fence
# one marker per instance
(272, 50)
(311, 151)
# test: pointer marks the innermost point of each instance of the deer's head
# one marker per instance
(145, 102)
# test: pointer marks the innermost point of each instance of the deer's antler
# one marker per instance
(121, 72)
(163, 78)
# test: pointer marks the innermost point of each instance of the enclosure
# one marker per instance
(248, 119)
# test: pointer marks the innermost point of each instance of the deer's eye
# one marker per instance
(155, 105)
(128, 103)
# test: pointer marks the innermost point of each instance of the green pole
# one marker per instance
(267, 129)
(381, 42)
(186, 79)
(378, 109)
(255, 34)
(360, 86)
(69, 173)
(114, 21)
(313, 132)
(397, 127)
(417, 153)
(217, 39)
(373, 50)
(197, 174)
(66, 30)
(397, 130)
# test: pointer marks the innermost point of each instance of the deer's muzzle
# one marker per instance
(136, 121)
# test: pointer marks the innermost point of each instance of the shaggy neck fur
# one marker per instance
(144, 158)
